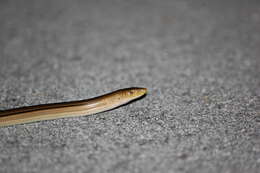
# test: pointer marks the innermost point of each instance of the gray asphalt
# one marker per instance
(200, 61)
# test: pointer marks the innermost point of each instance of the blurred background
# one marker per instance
(200, 61)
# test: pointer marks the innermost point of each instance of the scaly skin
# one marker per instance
(70, 109)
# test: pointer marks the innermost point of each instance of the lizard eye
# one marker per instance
(130, 93)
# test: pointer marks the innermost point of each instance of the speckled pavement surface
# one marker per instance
(200, 61)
